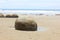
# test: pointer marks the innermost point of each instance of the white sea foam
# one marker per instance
(29, 12)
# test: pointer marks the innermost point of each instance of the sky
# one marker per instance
(29, 4)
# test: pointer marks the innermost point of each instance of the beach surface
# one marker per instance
(49, 28)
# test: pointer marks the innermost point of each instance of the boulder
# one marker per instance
(26, 25)
(12, 16)
(8, 15)
(1, 15)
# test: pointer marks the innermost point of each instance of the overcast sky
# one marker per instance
(29, 4)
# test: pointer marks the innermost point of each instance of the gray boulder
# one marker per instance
(24, 24)
(1, 15)
(12, 16)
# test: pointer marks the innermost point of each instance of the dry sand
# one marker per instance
(51, 23)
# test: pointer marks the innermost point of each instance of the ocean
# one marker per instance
(46, 12)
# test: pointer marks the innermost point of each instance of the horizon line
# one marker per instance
(34, 9)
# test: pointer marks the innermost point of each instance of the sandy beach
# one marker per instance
(50, 23)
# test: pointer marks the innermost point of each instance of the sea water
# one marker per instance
(46, 12)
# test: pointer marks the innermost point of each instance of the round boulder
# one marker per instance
(26, 25)
(8, 15)
(12, 16)
(1, 15)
